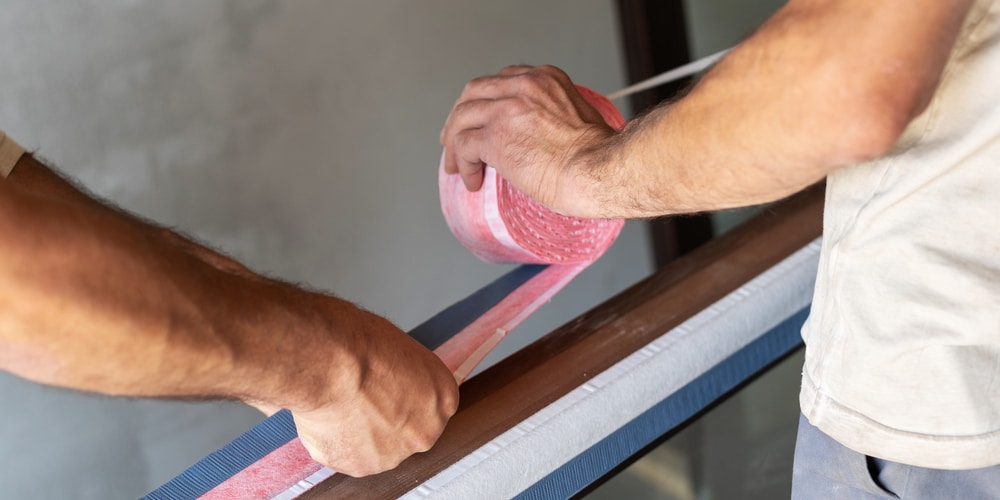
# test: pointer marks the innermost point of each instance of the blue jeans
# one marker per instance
(824, 469)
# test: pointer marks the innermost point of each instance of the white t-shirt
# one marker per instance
(903, 344)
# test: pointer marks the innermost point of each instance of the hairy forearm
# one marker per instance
(32, 175)
(90, 300)
(820, 85)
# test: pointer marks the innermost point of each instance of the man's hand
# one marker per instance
(391, 399)
(535, 129)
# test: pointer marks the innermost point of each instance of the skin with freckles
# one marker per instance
(820, 85)
(92, 298)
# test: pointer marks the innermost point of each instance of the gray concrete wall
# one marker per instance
(300, 137)
(714, 25)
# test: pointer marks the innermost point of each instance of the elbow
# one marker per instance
(865, 132)
(872, 117)
(859, 112)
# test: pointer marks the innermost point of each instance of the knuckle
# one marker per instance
(519, 106)
(423, 441)
(424, 445)
(527, 82)
(450, 406)
(450, 401)
(553, 72)
(538, 83)
(463, 108)
(514, 67)
(556, 80)
(478, 82)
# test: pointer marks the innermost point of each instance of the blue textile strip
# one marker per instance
(279, 428)
(605, 455)
(445, 324)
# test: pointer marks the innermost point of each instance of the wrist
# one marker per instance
(300, 352)
(587, 188)
(636, 171)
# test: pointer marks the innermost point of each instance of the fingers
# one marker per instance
(473, 124)
(471, 129)
(509, 82)
(485, 87)
(398, 407)
(466, 159)
(521, 121)
(359, 444)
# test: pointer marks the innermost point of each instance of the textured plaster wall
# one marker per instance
(300, 137)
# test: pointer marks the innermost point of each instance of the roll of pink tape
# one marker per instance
(501, 224)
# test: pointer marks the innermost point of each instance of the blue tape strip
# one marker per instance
(279, 428)
(445, 324)
(597, 460)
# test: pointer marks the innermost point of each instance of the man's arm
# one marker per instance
(94, 300)
(820, 85)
